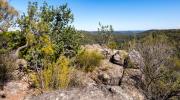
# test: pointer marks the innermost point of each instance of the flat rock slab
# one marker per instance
(15, 90)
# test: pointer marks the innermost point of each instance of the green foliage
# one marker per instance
(95, 38)
(67, 42)
(53, 25)
(88, 60)
(10, 41)
(48, 48)
(47, 31)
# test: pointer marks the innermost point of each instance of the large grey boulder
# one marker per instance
(111, 76)
(136, 59)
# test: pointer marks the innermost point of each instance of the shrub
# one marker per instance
(53, 76)
(10, 41)
(88, 60)
(105, 33)
(48, 33)
(7, 66)
(62, 69)
(160, 81)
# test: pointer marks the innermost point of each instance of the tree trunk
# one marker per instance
(19, 49)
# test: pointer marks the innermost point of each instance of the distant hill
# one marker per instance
(91, 37)
(118, 32)
(163, 30)
(140, 32)
(128, 32)
(168, 32)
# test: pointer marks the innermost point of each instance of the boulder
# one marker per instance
(15, 90)
(136, 59)
(90, 93)
(111, 76)
(118, 57)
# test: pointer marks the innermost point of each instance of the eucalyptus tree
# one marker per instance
(52, 23)
(49, 35)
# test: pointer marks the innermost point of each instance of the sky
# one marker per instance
(121, 14)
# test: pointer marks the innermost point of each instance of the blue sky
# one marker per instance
(121, 14)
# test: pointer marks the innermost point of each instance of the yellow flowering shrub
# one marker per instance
(34, 79)
(48, 46)
(54, 75)
(62, 66)
(47, 74)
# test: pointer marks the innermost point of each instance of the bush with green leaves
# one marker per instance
(10, 41)
(88, 60)
(48, 33)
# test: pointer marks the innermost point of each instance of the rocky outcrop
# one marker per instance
(91, 93)
(115, 56)
(110, 81)
(103, 84)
